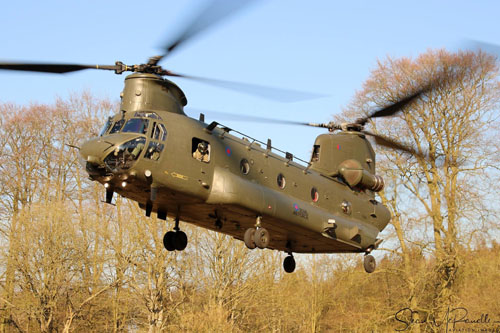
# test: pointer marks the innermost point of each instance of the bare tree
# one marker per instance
(453, 125)
(40, 177)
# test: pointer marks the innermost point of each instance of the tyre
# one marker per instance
(261, 238)
(289, 264)
(180, 240)
(249, 238)
(168, 240)
(369, 263)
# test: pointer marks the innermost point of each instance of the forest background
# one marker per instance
(70, 262)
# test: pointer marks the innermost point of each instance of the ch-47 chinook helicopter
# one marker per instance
(213, 177)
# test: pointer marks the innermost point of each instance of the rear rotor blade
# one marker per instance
(391, 109)
(386, 142)
(483, 46)
(395, 107)
(51, 68)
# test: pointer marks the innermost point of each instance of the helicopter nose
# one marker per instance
(94, 150)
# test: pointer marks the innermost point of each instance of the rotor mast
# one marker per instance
(151, 92)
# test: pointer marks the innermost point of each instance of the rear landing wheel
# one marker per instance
(249, 238)
(369, 263)
(289, 264)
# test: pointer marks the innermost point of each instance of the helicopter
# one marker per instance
(215, 177)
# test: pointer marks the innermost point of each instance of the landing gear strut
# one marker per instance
(175, 240)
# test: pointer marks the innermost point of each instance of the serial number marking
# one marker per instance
(301, 213)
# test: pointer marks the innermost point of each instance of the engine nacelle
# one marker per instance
(354, 174)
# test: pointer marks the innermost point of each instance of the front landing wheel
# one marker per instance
(180, 240)
(369, 263)
(175, 240)
(168, 241)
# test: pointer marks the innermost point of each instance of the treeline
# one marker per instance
(70, 262)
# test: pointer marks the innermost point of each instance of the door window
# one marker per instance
(200, 150)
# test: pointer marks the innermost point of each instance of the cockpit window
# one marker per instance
(136, 125)
(159, 132)
(117, 126)
(315, 154)
(154, 150)
(146, 114)
(106, 127)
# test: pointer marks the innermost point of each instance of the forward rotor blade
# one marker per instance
(386, 142)
(245, 118)
(214, 12)
(51, 68)
(277, 94)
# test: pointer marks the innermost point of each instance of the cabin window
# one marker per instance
(154, 150)
(159, 132)
(117, 126)
(315, 154)
(314, 194)
(201, 150)
(136, 125)
(281, 181)
(244, 167)
(346, 207)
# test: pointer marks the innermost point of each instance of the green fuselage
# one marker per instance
(233, 181)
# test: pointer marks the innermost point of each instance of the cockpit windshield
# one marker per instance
(117, 126)
(136, 125)
(106, 127)
(125, 155)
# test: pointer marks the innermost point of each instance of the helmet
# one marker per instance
(202, 147)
